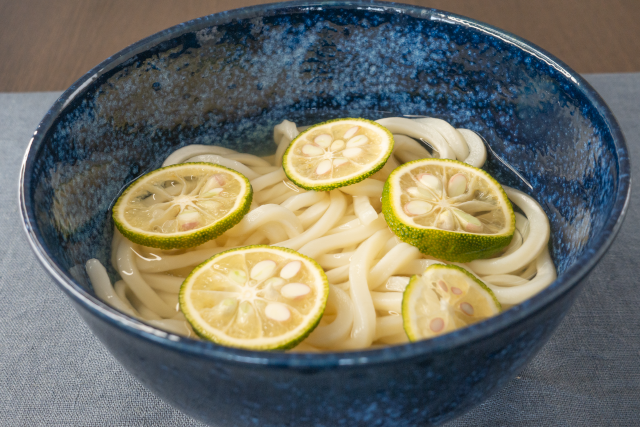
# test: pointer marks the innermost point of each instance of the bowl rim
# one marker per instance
(563, 284)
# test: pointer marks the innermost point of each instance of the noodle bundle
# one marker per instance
(367, 266)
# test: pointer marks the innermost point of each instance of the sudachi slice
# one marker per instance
(337, 153)
(448, 209)
(443, 299)
(183, 205)
(255, 297)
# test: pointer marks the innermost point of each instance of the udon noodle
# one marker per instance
(343, 230)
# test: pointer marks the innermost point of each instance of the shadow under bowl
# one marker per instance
(227, 79)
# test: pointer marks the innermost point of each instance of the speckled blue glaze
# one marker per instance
(227, 79)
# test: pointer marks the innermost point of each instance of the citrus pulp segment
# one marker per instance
(443, 299)
(337, 153)
(448, 209)
(183, 205)
(255, 297)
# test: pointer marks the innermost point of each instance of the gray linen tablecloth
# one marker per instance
(53, 371)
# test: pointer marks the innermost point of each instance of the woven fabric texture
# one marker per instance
(54, 372)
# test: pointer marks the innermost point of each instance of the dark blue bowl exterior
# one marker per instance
(425, 389)
(228, 79)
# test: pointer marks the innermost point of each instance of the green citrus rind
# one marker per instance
(286, 343)
(451, 246)
(187, 239)
(332, 186)
(414, 283)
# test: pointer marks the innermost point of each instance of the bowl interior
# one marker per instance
(228, 79)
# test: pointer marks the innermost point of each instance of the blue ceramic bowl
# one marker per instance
(227, 79)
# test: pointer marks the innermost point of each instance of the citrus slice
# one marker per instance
(337, 153)
(443, 299)
(448, 209)
(183, 205)
(255, 297)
